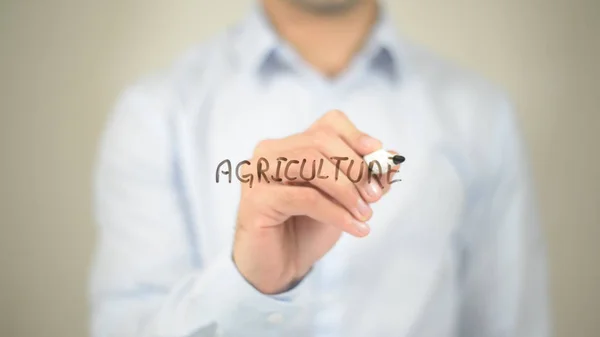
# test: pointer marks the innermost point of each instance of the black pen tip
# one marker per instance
(398, 159)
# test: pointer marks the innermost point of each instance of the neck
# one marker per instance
(328, 42)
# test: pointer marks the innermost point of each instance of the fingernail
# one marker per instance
(373, 190)
(363, 209)
(369, 143)
(362, 227)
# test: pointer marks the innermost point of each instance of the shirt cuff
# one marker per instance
(242, 310)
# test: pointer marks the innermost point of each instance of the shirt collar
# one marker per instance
(382, 50)
(258, 40)
(259, 45)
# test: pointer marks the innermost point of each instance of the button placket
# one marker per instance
(275, 318)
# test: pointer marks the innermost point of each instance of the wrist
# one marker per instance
(267, 282)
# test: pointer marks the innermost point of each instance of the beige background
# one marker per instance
(63, 62)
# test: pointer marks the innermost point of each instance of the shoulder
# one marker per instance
(140, 122)
(196, 69)
(164, 92)
(459, 94)
(475, 119)
(474, 113)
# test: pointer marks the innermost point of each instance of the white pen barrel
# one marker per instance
(382, 157)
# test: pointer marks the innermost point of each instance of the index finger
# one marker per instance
(339, 123)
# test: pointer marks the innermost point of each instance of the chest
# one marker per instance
(239, 120)
(402, 260)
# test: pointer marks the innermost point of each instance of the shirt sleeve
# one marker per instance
(505, 278)
(146, 280)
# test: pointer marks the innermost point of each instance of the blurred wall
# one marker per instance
(63, 62)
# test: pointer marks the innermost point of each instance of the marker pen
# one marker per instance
(385, 159)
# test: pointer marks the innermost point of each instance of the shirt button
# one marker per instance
(275, 318)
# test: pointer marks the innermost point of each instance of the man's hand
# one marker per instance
(284, 227)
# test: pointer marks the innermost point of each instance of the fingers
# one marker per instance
(331, 181)
(349, 165)
(309, 166)
(291, 201)
(345, 159)
(338, 122)
(328, 157)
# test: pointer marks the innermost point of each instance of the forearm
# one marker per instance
(211, 302)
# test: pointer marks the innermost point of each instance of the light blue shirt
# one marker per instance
(455, 248)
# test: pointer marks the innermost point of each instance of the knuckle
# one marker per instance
(250, 198)
(311, 154)
(347, 193)
(307, 154)
(345, 219)
(308, 196)
(297, 154)
(263, 145)
(260, 222)
(322, 136)
(351, 190)
(335, 114)
(286, 196)
(251, 223)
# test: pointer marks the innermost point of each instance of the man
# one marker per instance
(452, 249)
